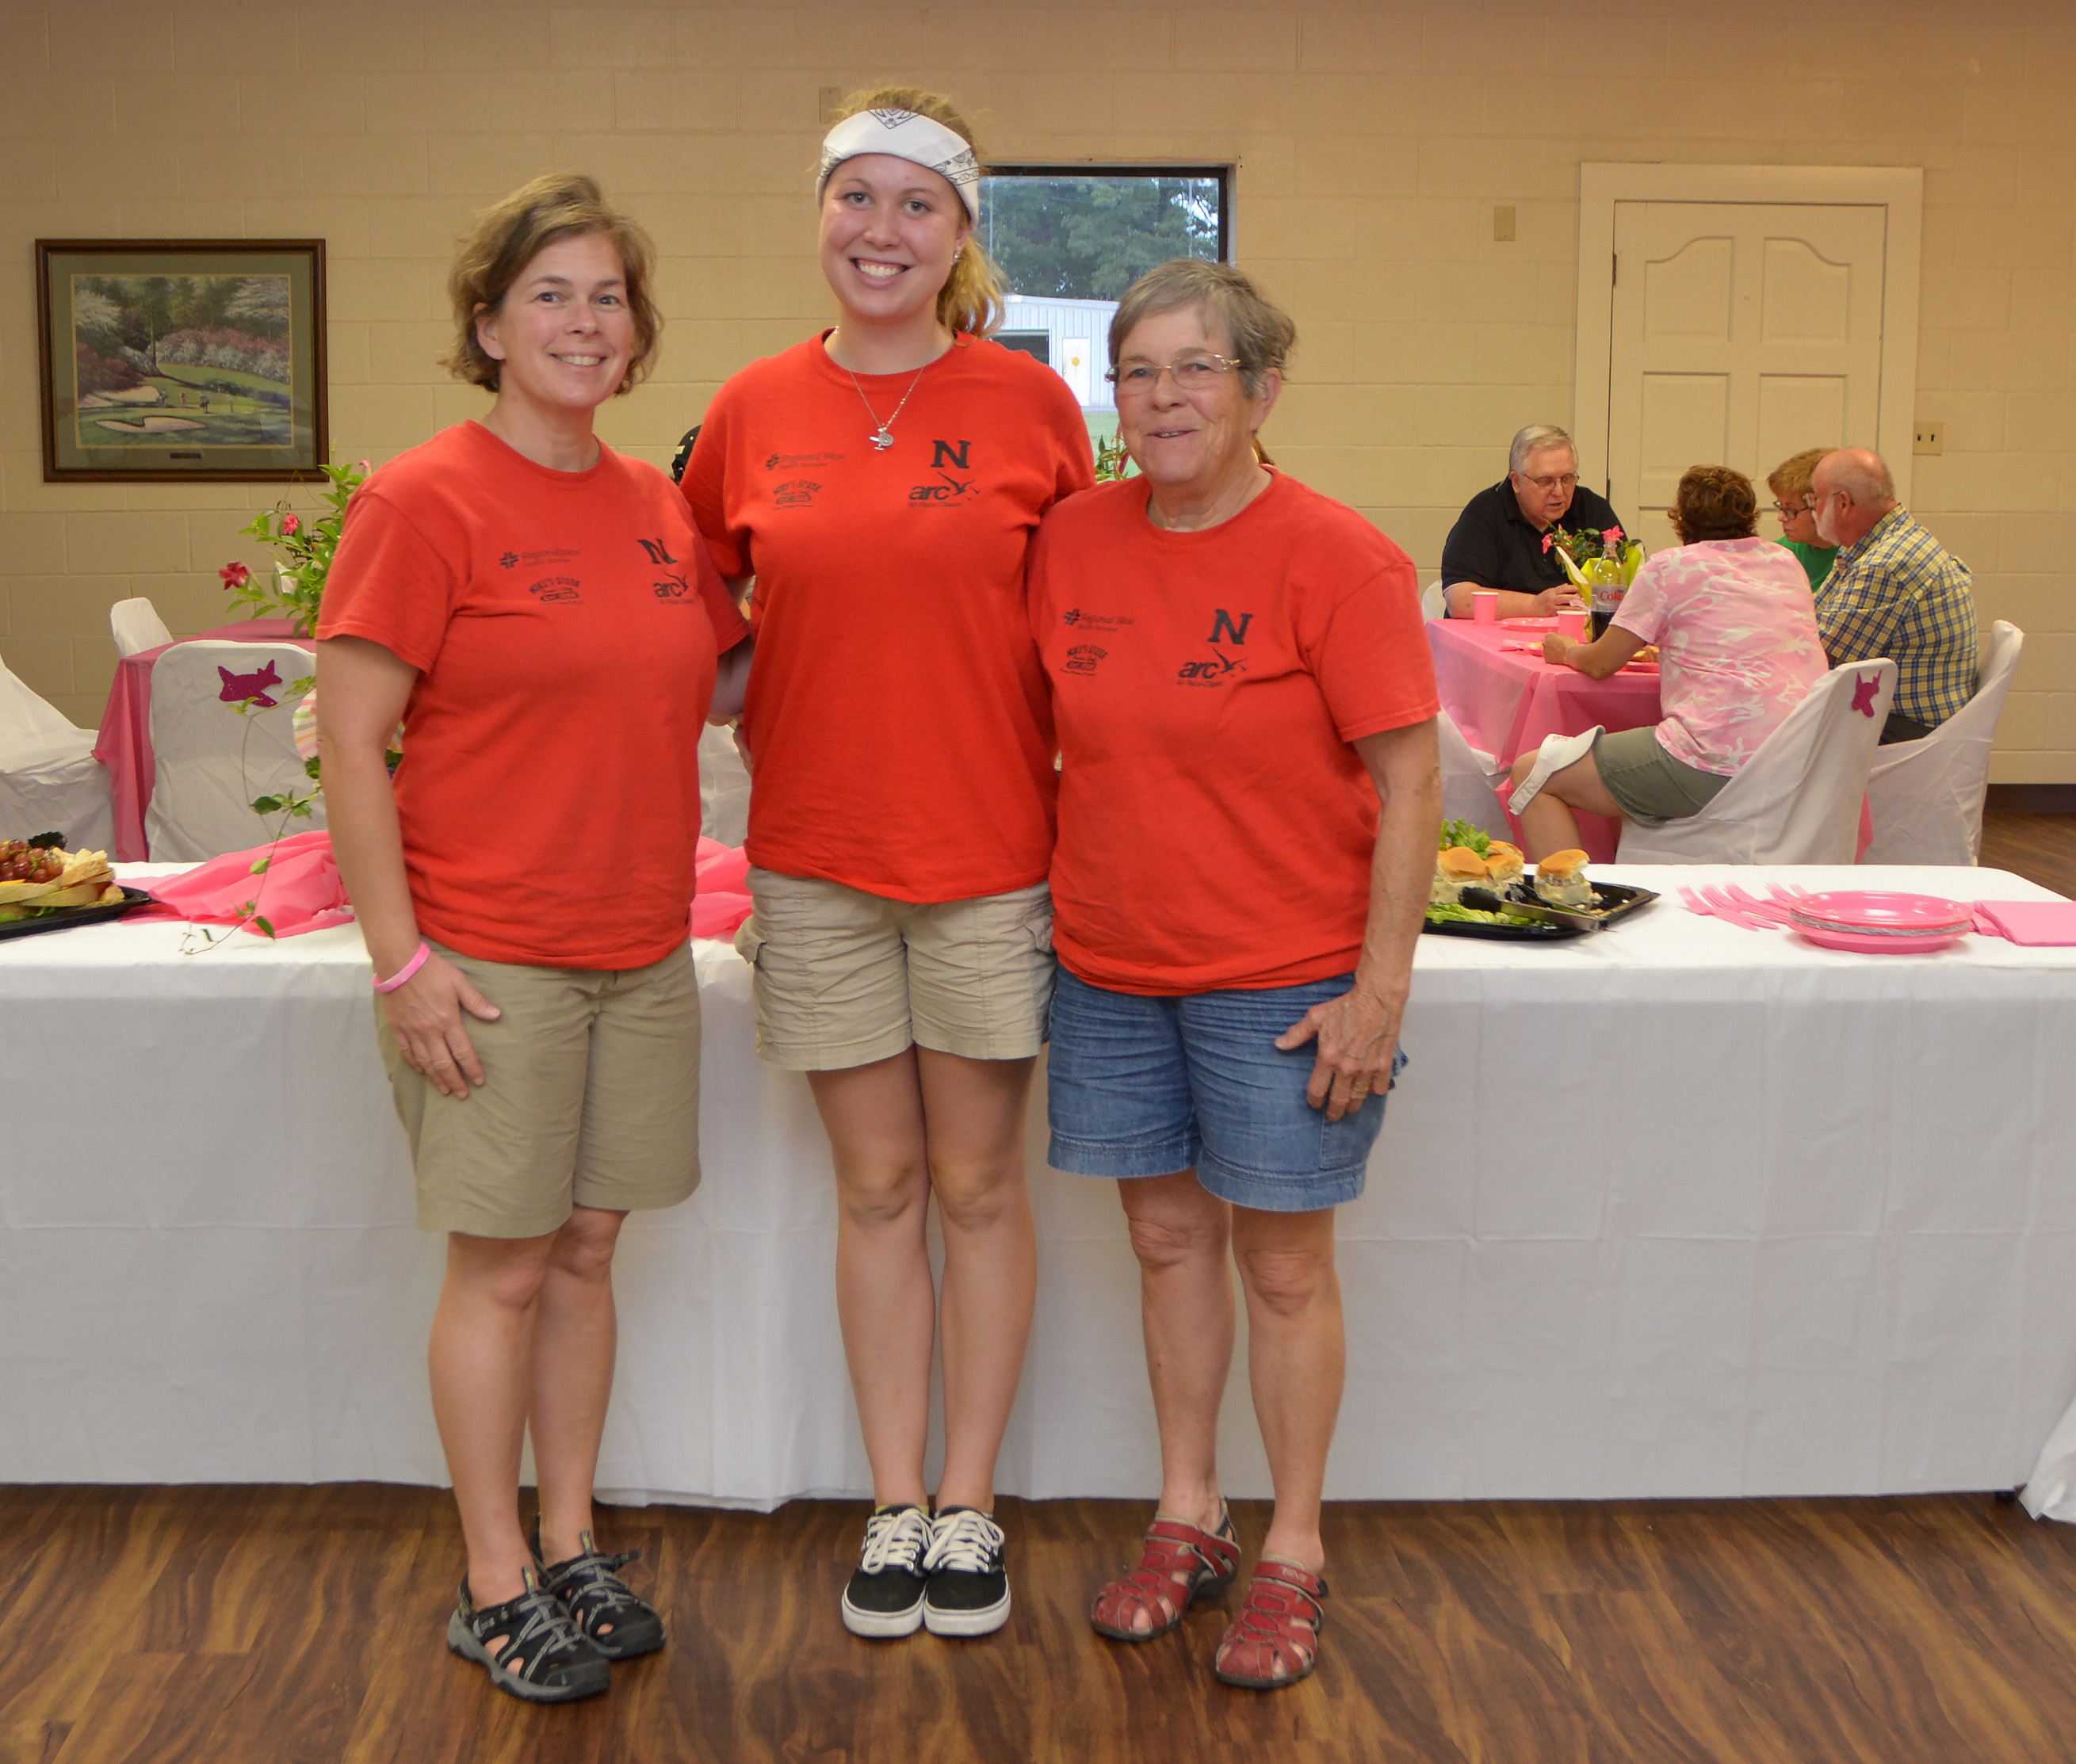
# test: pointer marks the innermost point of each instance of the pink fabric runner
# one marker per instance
(124, 744)
(301, 890)
(1506, 701)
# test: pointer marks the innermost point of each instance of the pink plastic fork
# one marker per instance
(1766, 910)
(1727, 908)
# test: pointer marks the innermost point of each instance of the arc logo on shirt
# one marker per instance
(1216, 671)
(674, 588)
(947, 489)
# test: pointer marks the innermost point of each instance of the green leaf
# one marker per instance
(261, 867)
(312, 767)
(259, 924)
(267, 805)
(301, 810)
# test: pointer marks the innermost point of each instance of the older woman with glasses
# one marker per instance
(1790, 482)
(1249, 796)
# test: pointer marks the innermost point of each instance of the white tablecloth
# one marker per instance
(1679, 1209)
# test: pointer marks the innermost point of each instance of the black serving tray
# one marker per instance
(1611, 901)
(64, 918)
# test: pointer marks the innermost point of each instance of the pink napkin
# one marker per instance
(2033, 921)
(299, 890)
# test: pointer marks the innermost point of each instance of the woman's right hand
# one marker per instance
(426, 1015)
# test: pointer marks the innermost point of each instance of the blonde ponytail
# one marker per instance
(971, 298)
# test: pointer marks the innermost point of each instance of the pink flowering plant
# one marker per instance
(1584, 543)
(305, 548)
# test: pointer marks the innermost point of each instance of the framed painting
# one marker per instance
(165, 359)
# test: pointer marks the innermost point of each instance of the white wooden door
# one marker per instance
(1742, 333)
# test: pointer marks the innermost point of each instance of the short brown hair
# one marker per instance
(1262, 333)
(1794, 476)
(1714, 502)
(974, 297)
(509, 235)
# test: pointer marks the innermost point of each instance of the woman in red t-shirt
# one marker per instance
(541, 616)
(881, 481)
(1249, 796)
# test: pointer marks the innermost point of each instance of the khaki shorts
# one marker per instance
(592, 1099)
(1650, 785)
(844, 978)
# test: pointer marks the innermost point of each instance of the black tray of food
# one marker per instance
(64, 918)
(1611, 901)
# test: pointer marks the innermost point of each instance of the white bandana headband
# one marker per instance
(907, 136)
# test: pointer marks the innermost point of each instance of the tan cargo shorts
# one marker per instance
(592, 1098)
(844, 978)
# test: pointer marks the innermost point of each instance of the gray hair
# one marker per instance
(1533, 439)
(1262, 333)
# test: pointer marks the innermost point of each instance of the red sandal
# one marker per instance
(1275, 1639)
(1180, 1560)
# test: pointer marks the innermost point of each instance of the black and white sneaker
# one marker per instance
(969, 1589)
(885, 1596)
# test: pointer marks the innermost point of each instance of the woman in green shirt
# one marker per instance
(1790, 482)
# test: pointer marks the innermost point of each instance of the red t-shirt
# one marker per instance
(897, 718)
(564, 627)
(1216, 829)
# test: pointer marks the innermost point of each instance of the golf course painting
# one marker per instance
(170, 358)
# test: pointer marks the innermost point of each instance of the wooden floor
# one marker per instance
(303, 1625)
(262, 1626)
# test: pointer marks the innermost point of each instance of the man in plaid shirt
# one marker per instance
(1893, 591)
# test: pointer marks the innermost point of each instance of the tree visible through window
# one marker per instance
(1071, 239)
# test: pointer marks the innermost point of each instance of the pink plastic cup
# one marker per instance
(1484, 606)
(1572, 625)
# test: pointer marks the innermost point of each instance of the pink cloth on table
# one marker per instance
(124, 742)
(1506, 701)
(2036, 922)
(722, 901)
(301, 890)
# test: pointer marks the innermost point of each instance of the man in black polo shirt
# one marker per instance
(1497, 540)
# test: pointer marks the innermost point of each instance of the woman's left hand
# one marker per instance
(1358, 1036)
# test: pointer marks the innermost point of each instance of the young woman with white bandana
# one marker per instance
(881, 483)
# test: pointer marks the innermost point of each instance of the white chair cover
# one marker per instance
(1470, 781)
(49, 782)
(724, 788)
(1926, 796)
(201, 806)
(1798, 799)
(1432, 603)
(136, 626)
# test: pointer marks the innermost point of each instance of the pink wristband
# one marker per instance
(408, 969)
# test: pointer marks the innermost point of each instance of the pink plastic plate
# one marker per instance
(1863, 944)
(1870, 910)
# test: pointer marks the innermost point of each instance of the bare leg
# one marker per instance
(1179, 1232)
(1296, 1359)
(974, 1111)
(873, 1116)
(573, 1374)
(1548, 824)
(482, 1364)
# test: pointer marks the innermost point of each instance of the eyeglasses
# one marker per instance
(1788, 511)
(1192, 373)
(1568, 481)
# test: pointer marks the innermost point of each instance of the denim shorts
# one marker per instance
(1141, 1086)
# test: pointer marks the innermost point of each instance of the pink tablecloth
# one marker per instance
(124, 746)
(1506, 701)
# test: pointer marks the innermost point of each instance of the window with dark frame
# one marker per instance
(1070, 239)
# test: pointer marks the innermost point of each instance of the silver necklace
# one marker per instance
(882, 434)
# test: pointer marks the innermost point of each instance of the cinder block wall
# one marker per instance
(1373, 138)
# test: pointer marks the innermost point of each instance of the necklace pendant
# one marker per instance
(884, 439)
